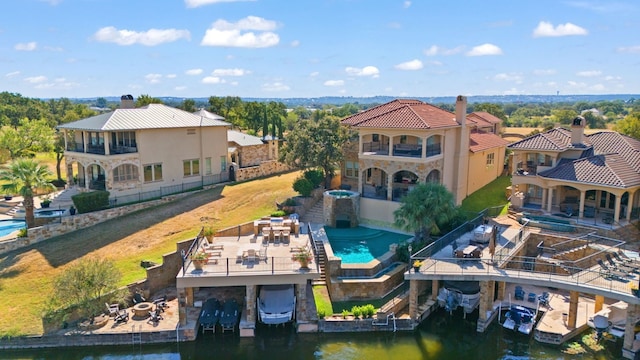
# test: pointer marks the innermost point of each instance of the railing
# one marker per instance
(433, 150)
(195, 246)
(377, 147)
(448, 238)
(96, 149)
(114, 150)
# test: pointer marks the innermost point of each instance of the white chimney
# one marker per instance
(461, 110)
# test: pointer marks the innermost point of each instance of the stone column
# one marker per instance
(414, 291)
(250, 306)
(435, 285)
(301, 302)
(629, 329)
(573, 309)
(582, 198)
(189, 296)
(598, 305)
(502, 288)
(486, 304)
(182, 306)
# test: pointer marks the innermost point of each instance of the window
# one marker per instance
(126, 172)
(191, 167)
(490, 159)
(191, 131)
(352, 169)
(223, 163)
(124, 138)
(153, 172)
(207, 166)
(434, 177)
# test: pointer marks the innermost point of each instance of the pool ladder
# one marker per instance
(391, 316)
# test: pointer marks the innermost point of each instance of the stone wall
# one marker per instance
(253, 155)
(265, 168)
(338, 324)
(365, 289)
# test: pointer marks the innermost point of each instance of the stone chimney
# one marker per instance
(127, 102)
(462, 154)
(577, 131)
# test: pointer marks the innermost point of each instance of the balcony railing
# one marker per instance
(95, 149)
(114, 150)
(407, 150)
(376, 147)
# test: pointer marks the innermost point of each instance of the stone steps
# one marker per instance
(315, 214)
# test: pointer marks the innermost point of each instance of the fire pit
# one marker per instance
(141, 310)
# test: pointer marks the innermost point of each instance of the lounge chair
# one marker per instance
(621, 266)
(608, 272)
(544, 299)
(113, 309)
(155, 316)
(622, 256)
(519, 293)
(250, 255)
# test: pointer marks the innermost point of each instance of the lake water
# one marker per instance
(442, 337)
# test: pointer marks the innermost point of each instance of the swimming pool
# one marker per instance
(361, 244)
(53, 213)
(9, 226)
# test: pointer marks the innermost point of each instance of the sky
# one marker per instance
(314, 48)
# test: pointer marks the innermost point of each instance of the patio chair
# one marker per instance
(121, 316)
(519, 293)
(544, 299)
(620, 266)
(608, 272)
(569, 211)
(138, 298)
(262, 254)
(155, 316)
(621, 255)
(251, 255)
(161, 302)
(113, 309)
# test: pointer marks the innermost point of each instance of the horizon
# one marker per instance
(342, 48)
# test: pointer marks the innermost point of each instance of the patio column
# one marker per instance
(250, 299)
(413, 299)
(485, 308)
(582, 198)
(598, 304)
(630, 205)
(86, 177)
(502, 288)
(424, 148)
(550, 203)
(182, 306)
(389, 187)
(616, 210)
(390, 146)
(360, 145)
(435, 286)
(629, 329)
(573, 309)
(543, 204)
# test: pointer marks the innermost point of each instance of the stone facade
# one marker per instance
(265, 168)
(336, 208)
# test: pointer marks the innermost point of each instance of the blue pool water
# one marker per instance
(360, 244)
(9, 226)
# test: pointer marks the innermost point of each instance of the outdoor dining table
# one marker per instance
(468, 251)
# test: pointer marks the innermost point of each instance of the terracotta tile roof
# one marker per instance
(479, 141)
(608, 170)
(606, 142)
(403, 114)
(483, 119)
(557, 139)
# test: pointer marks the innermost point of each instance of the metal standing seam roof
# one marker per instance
(152, 116)
(403, 114)
(243, 139)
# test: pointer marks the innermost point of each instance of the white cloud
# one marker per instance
(314, 74)
(543, 72)
(12, 74)
(589, 73)
(406, 4)
(30, 46)
(276, 86)
(230, 72)
(198, 3)
(213, 80)
(365, 71)
(612, 78)
(334, 83)
(150, 37)
(153, 78)
(484, 49)
(512, 91)
(437, 50)
(629, 49)
(414, 64)
(36, 79)
(295, 43)
(234, 83)
(546, 29)
(193, 72)
(224, 33)
(515, 77)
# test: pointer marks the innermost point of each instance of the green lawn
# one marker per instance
(491, 195)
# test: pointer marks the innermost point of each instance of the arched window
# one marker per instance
(125, 172)
(433, 145)
(434, 177)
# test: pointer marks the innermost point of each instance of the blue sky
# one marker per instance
(312, 48)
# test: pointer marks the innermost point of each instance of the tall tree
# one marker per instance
(316, 145)
(145, 99)
(630, 125)
(30, 137)
(425, 209)
(24, 177)
(188, 105)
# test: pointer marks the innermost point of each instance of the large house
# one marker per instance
(146, 152)
(404, 142)
(570, 173)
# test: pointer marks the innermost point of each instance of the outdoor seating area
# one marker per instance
(272, 227)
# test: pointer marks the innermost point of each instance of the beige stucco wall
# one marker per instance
(374, 211)
(480, 174)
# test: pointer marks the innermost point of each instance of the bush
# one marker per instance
(321, 313)
(316, 176)
(91, 201)
(58, 183)
(278, 213)
(23, 232)
(357, 311)
(303, 186)
(345, 313)
(290, 202)
(368, 310)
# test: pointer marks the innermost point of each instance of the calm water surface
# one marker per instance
(442, 337)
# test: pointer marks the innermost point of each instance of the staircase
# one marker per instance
(315, 214)
(321, 258)
(62, 199)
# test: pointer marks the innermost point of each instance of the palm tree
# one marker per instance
(24, 177)
(424, 209)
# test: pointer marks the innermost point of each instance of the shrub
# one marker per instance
(91, 201)
(357, 311)
(303, 186)
(321, 313)
(345, 313)
(316, 176)
(290, 202)
(278, 213)
(368, 310)
(22, 232)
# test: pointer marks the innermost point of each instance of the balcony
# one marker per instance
(375, 148)
(407, 150)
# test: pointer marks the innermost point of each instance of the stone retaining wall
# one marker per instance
(338, 324)
(265, 168)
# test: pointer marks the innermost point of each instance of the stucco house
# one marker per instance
(404, 142)
(585, 176)
(146, 152)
